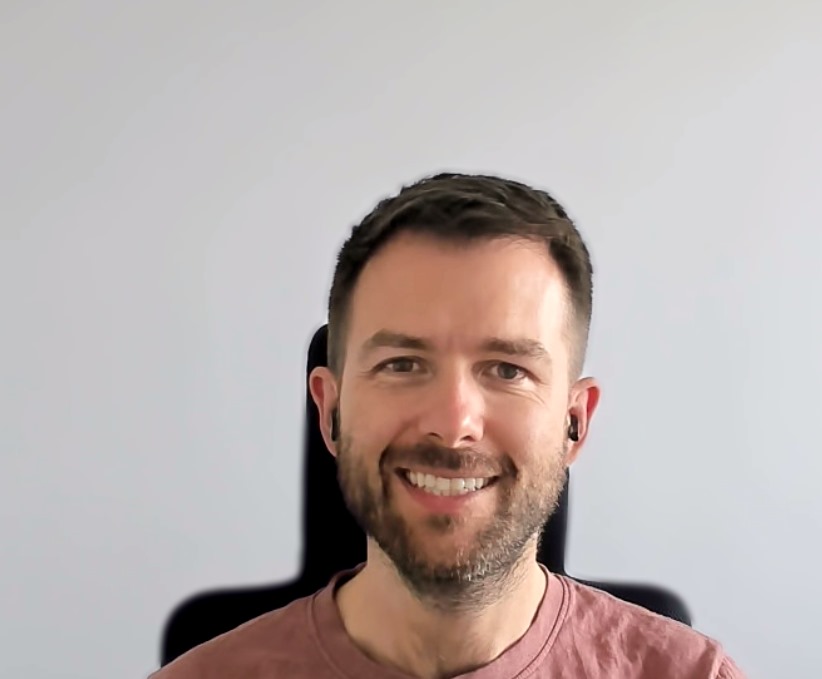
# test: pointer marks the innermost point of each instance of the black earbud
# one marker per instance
(335, 424)
(573, 429)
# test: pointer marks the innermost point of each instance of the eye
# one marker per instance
(399, 365)
(508, 372)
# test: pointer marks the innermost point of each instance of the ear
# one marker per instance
(325, 392)
(582, 403)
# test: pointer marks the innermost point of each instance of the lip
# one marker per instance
(442, 504)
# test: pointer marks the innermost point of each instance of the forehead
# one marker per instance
(459, 294)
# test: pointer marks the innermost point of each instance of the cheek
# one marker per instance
(371, 423)
(527, 431)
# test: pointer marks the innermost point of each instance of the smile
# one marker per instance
(440, 485)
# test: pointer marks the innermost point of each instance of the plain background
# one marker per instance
(176, 178)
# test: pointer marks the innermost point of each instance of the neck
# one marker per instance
(421, 638)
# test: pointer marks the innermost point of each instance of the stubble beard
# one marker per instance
(478, 571)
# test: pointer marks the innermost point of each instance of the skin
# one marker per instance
(446, 591)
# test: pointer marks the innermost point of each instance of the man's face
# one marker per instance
(453, 406)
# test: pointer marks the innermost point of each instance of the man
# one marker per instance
(454, 402)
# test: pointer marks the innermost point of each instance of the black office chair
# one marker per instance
(332, 541)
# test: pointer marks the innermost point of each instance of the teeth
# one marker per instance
(439, 485)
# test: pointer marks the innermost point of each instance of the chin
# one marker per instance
(453, 558)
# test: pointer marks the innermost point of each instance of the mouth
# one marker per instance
(445, 486)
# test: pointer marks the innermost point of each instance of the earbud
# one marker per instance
(335, 424)
(573, 429)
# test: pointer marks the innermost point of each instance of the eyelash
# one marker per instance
(383, 367)
(522, 372)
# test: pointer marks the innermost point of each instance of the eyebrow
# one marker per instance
(394, 340)
(520, 348)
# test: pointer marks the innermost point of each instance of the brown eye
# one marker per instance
(399, 365)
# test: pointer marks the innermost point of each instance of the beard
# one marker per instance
(472, 573)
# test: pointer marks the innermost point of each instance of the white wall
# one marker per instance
(176, 178)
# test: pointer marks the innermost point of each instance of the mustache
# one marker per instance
(468, 460)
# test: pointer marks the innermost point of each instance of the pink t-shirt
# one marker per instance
(578, 632)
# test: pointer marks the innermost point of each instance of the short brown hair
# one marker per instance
(461, 208)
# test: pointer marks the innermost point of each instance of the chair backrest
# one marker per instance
(333, 541)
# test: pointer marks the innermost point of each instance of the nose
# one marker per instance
(452, 411)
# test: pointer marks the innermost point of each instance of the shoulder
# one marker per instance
(627, 634)
(267, 642)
